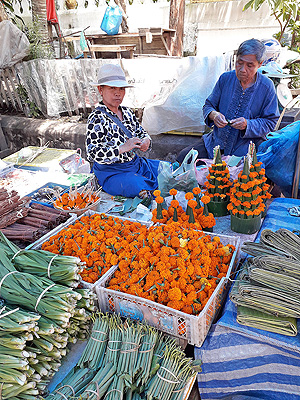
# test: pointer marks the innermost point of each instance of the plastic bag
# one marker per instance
(112, 20)
(183, 178)
(14, 44)
(203, 170)
(75, 164)
(179, 106)
(278, 154)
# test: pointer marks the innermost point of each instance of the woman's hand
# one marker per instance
(239, 123)
(145, 144)
(218, 119)
(132, 143)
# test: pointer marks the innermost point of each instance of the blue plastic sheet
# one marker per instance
(244, 363)
(278, 154)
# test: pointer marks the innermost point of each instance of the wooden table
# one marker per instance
(109, 48)
(147, 40)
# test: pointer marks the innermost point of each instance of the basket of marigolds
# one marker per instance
(96, 238)
(171, 277)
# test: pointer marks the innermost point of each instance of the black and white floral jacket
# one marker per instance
(103, 136)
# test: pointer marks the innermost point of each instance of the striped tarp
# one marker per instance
(241, 363)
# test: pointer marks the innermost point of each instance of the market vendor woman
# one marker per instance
(113, 134)
(242, 107)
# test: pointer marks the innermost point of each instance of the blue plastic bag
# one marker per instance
(278, 154)
(111, 20)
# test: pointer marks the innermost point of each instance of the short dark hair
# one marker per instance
(252, 46)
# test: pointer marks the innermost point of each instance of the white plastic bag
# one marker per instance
(183, 178)
(14, 44)
(180, 107)
(75, 164)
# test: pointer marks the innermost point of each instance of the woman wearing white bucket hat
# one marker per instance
(113, 133)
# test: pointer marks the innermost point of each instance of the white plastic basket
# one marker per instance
(38, 243)
(176, 323)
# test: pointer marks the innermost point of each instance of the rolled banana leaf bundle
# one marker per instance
(261, 320)
(272, 301)
(274, 280)
(283, 243)
(277, 264)
(283, 240)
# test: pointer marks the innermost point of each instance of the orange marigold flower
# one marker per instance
(192, 203)
(174, 203)
(175, 294)
(197, 190)
(173, 192)
(159, 199)
(205, 199)
(189, 196)
(156, 193)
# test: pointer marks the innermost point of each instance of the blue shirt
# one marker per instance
(257, 104)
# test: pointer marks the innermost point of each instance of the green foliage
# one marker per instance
(286, 12)
(295, 70)
(33, 109)
(38, 48)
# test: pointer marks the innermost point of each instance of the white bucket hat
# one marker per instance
(111, 75)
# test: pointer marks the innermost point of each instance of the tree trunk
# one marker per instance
(124, 25)
(294, 35)
(3, 15)
(176, 21)
(39, 18)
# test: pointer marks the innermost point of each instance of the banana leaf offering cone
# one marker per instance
(246, 204)
(218, 185)
(259, 174)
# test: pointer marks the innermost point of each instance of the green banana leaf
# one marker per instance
(260, 320)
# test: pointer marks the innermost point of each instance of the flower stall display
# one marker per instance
(128, 360)
(78, 200)
(194, 216)
(103, 241)
(246, 203)
(176, 267)
(218, 185)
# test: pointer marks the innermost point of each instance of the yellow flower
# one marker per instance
(183, 242)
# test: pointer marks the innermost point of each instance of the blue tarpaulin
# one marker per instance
(243, 363)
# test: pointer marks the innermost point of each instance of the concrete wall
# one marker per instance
(22, 132)
(210, 27)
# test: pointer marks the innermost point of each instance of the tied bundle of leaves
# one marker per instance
(114, 340)
(16, 328)
(100, 383)
(59, 268)
(218, 182)
(73, 385)
(38, 294)
(131, 337)
(94, 351)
